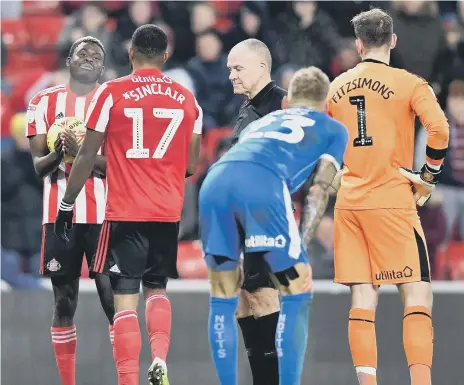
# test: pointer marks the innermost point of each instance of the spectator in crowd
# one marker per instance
(21, 199)
(284, 74)
(203, 17)
(89, 20)
(421, 38)
(251, 22)
(137, 14)
(174, 69)
(346, 59)
(211, 78)
(452, 56)
(452, 177)
(307, 36)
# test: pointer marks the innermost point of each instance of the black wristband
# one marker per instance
(435, 154)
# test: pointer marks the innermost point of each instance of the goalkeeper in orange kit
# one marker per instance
(378, 234)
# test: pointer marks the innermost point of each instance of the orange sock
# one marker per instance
(363, 344)
(418, 343)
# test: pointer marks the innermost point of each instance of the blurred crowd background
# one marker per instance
(36, 37)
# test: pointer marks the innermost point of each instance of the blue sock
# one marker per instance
(223, 338)
(292, 337)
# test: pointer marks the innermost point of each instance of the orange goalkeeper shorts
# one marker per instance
(380, 246)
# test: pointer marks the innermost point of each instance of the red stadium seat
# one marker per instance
(44, 30)
(22, 83)
(19, 63)
(190, 262)
(212, 139)
(15, 34)
(41, 7)
(48, 60)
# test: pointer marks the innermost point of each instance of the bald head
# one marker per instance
(258, 48)
(250, 65)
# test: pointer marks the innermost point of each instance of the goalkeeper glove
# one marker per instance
(63, 221)
(423, 181)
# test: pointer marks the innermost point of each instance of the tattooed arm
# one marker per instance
(316, 199)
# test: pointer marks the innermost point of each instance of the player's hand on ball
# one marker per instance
(70, 146)
(58, 146)
(64, 221)
(423, 182)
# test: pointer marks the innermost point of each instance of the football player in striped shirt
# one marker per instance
(59, 261)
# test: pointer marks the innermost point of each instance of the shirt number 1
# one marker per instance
(362, 139)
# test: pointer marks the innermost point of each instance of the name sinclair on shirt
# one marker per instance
(155, 86)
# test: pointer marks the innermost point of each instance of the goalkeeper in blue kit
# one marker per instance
(276, 154)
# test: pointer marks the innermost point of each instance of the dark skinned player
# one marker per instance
(59, 261)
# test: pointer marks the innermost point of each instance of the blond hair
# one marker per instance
(309, 85)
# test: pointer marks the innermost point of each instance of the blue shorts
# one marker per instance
(245, 207)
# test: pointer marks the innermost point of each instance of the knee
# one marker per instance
(65, 308)
(243, 309)
(224, 284)
(364, 296)
(417, 294)
(263, 302)
(295, 280)
(105, 293)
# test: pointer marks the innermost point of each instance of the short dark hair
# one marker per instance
(86, 39)
(150, 41)
(374, 28)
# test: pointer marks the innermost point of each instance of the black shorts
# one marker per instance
(64, 260)
(137, 251)
(256, 272)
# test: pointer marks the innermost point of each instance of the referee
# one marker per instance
(250, 64)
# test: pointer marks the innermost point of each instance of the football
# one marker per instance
(74, 124)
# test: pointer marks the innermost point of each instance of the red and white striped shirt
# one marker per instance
(41, 114)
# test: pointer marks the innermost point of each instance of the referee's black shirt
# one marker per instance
(267, 100)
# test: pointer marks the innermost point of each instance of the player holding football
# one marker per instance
(59, 261)
(276, 155)
(152, 130)
(378, 234)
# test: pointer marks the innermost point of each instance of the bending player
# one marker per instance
(378, 234)
(150, 151)
(59, 261)
(275, 154)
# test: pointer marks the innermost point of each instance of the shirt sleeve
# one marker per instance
(98, 113)
(198, 126)
(426, 107)
(336, 149)
(36, 113)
